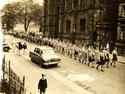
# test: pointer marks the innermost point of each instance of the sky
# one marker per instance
(3, 2)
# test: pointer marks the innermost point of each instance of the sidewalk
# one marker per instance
(121, 59)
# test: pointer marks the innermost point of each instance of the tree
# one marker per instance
(10, 17)
(26, 14)
(38, 15)
(32, 12)
(22, 12)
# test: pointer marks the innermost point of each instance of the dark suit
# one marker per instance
(42, 85)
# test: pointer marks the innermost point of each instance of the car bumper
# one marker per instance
(51, 63)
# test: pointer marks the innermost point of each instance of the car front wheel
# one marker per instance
(41, 65)
(56, 64)
(32, 60)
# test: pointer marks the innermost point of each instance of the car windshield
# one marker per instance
(4, 44)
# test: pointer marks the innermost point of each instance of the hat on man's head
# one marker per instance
(43, 74)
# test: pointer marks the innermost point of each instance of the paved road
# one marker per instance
(70, 77)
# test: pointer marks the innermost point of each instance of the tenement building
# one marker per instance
(121, 27)
(81, 21)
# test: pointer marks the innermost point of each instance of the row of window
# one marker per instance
(122, 32)
(82, 25)
(122, 10)
(73, 4)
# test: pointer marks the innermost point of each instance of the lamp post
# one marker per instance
(73, 35)
(98, 23)
(74, 26)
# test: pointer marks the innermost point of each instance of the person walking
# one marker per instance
(101, 61)
(20, 47)
(107, 58)
(42, 85)
(24, 47)
(91, 58)
(115, 57)
(14, 45)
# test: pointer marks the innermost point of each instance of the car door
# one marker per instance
(38, 56)
(35, 55)
(40, 59)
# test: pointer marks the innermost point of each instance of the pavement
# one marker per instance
(70, 77)
(121, 59)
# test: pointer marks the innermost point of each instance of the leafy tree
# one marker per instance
(10, 17)
(22, 12)
(38, 15)
(32, 12)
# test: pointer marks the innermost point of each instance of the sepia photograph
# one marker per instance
(62, 46)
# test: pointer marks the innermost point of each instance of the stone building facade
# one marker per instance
(120, 43)
(81, 21)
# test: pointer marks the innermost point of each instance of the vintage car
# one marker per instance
(44, 56)
(6, 47)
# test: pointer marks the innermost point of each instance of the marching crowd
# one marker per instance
(89, 55)
(20, 46)
(85, 54)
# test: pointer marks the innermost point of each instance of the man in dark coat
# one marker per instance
(42, 85)
(20, 47)
(24, 47)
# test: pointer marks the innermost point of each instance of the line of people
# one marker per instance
(85, 54)
(19, 47)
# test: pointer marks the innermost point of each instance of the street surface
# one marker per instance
(69, 77)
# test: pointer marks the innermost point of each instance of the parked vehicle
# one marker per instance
(6, 47)
(44, 56)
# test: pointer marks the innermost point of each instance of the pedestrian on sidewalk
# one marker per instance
(42, 85)
(24, 47)
(115, 57)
